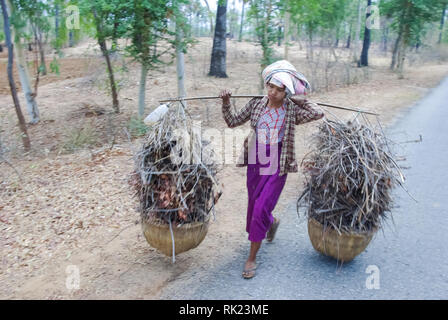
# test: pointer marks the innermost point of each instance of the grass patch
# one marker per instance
(80, 138)
(137, 127)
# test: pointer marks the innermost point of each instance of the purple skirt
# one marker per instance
(264, 186)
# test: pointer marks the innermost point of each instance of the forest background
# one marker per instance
(78, 77)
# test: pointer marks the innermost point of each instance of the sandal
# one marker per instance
(249, 273)
(271, 233)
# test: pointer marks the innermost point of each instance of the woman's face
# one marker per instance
(275, 94)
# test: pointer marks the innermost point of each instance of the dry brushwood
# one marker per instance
(349, 177)
(175, 178)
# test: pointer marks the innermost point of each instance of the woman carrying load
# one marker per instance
(269, 152)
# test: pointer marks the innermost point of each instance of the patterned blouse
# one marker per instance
(271, 125)
(295, 115)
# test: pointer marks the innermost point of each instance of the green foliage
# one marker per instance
(120, 73)
(195, 10)
(265, 14)
(137, 127)
(411, 16)
(54, 66)
(233, 21)
(35, 12)
(30, 19)
(80, 138)
(148, 27)
(103, 19)
(144, 22)
(306, 13)
(333, 14)
(324, 17)
(445, 37)
(17, 19)
(2, 33)
(180, 18)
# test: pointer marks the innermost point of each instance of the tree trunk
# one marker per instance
(358, 32)
(71, 41)
(22, 67)
(338, 31)
(396, 48)
(310, 52)
(180, 63)
(196, 27)
(418, 44)
(42, 59)
(402, 50)
(267, 54)
(279, 36)
(218, 60)
(190, 22)
(349, 37)
(56, 20)
(12, 85)
(115, 35)
(401, 57)
(442, 22)
(287, 37)
(240, 38)
(38, 38)
(296, 36)
(364, 61)
(142, 91)
(113, 85)
(105, 52)
(385, 38)
(210, 14)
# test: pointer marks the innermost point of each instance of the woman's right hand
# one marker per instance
(225, 96)
(299, 100)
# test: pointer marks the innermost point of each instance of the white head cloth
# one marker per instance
(283, 73)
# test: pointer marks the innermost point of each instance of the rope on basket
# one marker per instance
(172, 241)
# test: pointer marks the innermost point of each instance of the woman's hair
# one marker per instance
(288, 93)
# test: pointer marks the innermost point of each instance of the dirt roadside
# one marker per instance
(78, 210)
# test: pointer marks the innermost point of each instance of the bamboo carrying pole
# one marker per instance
(261, 96)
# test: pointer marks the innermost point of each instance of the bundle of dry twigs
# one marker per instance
(174, 178)
(349, 177)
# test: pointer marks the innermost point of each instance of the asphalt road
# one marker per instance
(408, 259)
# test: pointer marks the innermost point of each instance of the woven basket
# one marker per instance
(186, 237)
(344, 247)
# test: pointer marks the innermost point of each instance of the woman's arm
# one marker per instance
(306, 111)
(234, 120)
